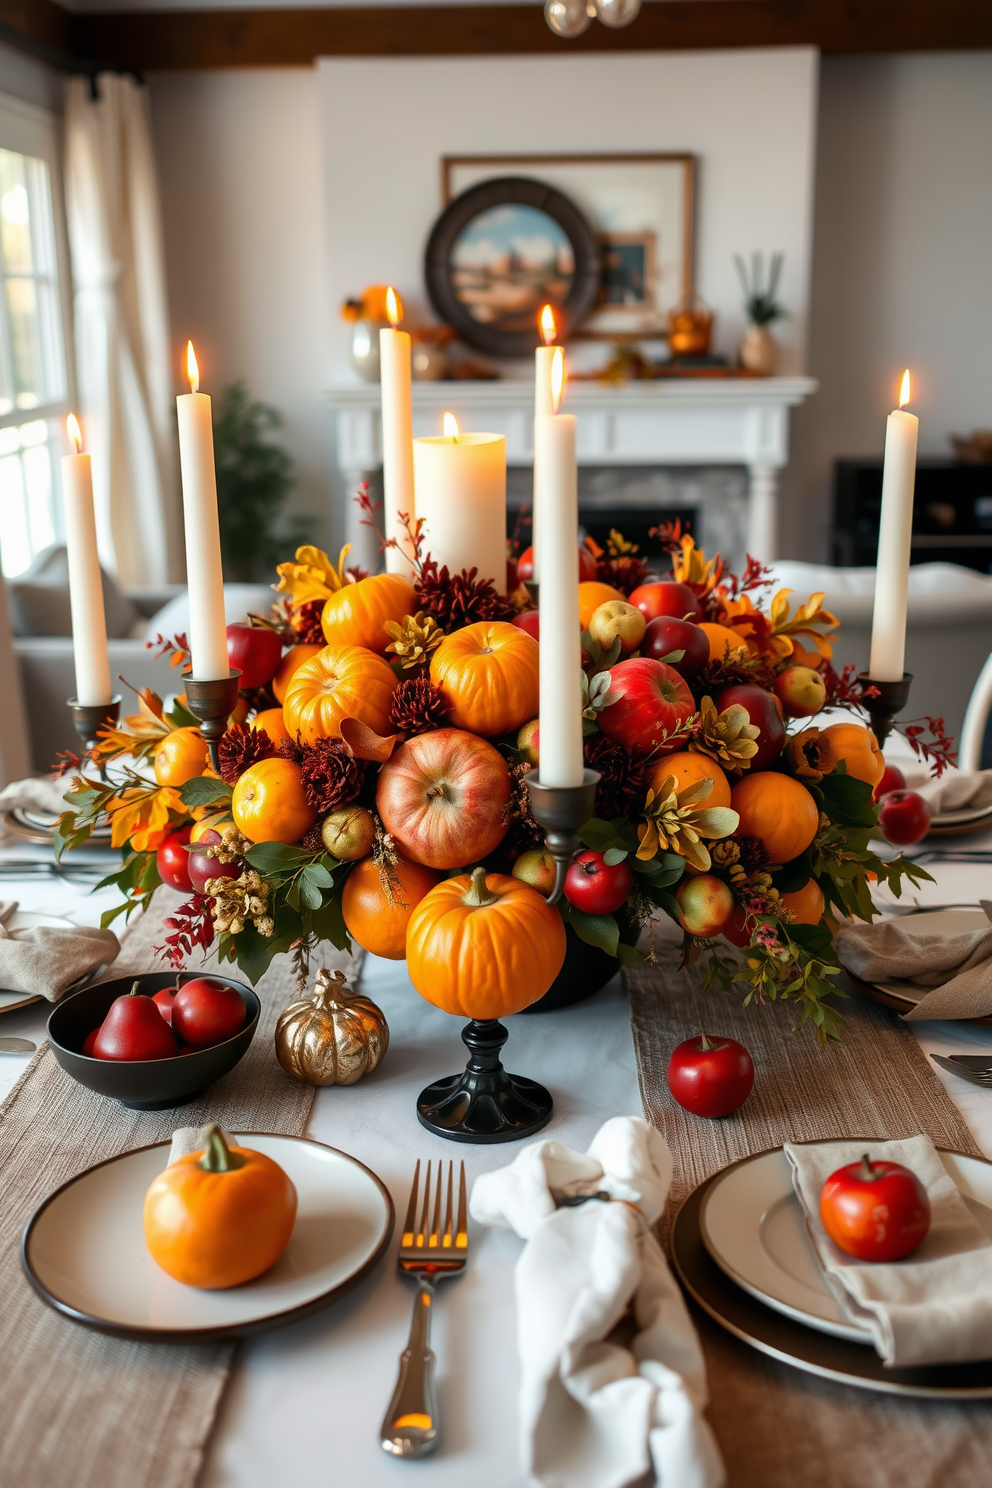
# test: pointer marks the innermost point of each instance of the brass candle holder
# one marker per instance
(562, 810)
(211, 704)
(889, 701)
(89, 718)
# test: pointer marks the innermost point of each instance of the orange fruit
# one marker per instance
(268, 804)
(858, 748)
(806, 903)
(720, 637)
(591, 595)
(181, 755)
(271, 720)
(212, 820)
(777, 810)
(687, 766)
(295, 657)
(377, 909)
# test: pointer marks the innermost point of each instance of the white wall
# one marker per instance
(902, 265)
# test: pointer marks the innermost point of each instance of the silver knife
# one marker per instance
(17, 1046)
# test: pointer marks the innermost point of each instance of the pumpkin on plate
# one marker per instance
(220, 1217)
(777, 810)
(484, 946)
(488, 674)
(356, 614)
(339, 682)
(377, 902)
(858, 748)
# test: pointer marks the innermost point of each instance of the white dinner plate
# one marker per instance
(24, 919)
(754, 1228)
(38, 827)
(84, 1249)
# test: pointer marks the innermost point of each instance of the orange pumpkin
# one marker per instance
(591, 595)
(687, 766)
(806, 903)
(377, 906)
(272, 722)
(356, 614)
(858, 748)
(339, 682)
(181, 755)
(777, 810)
(220, 1217)
(291, 662)
(268, 804)
(720, 637)
(484, 946)
(488, 673)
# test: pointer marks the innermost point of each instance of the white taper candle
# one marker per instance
(204, 571)
(560, 710)
(89, 626)
(888, 630)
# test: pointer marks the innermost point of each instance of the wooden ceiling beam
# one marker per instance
(40, 26)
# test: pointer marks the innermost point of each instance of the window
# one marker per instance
(34, 389)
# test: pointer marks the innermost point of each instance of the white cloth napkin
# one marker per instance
(956, 790)
(599, 1411)
(48, 960)
(934, 1307)
(958, 968)
(39, 793)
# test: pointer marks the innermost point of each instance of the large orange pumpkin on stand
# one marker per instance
(488, 673)
(777, 810)
(268, 804)
(858, 748)
(377, 903)
(356, 614)
(290, 664)
(484, 946)
(339, 682)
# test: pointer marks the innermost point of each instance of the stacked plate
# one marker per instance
(38, 827)
(740, 1247)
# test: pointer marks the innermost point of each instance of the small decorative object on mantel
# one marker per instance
(332, 1037)
(974, 448)
(758, 351)
(369, 315)
(690, 328)
(431, 358)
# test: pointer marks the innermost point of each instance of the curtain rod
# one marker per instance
(64, 61)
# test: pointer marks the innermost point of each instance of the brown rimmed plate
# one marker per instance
(952, 920)
(84, 1253)
(793, 1343)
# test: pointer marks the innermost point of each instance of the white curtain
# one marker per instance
(122, 327)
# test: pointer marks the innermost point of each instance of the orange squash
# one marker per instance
(806, 903)
(181, 755)
(720, 637)
(777, 810)
(687, 766)
(484, 946)
(356, 614)
(858, 748)
(339, 682)
(377, 907)
(488, 673)
(268, 804)
(591, 595)
(220, 1217)
(291, 662)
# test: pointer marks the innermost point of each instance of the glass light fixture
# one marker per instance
(568, 18)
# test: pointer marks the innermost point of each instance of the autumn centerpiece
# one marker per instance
(372, 781)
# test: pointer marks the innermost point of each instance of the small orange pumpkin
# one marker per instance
(488, 673)
(858, 748)
(356, 614)
(777, 810)
(339, 682)
(484, 946)
(220, 1217)
(377, 903)
(290, 664)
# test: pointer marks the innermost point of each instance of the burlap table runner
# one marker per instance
(77, 1407)
(777, 1426)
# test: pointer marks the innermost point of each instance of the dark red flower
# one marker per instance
(455, 602)
(240, 748)
(305, 620)
(623, 778)
(330, 774)
(417, 706)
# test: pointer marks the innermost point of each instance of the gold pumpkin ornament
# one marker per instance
(332, 1037)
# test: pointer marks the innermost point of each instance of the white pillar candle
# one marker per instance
(544, 404)
(460, 483)
(560, 709)
(89, 626)
(204, 573)
(888, 630)
(397, 438)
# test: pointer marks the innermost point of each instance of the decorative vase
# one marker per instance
(758, 351)
(365, 348)
(431, 362)
(690, 328)
(585, 971)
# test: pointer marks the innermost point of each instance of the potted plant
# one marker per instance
(758, 351)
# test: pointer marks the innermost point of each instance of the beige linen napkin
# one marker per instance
(956, 790)
(48, 960)
(187, 1139)
(958, 967)
(39, 793)
(934, 1307)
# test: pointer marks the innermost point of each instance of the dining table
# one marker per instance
(304, 1403)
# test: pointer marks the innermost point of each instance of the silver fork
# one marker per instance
(428, 1252)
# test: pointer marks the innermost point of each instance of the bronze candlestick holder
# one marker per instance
(211, 704)
(889, 701)
(484, 1103)
(89, 718)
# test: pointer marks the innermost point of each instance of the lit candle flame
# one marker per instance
(394, 307)
(557, 377)
(904, 389)
(450, 426)
(192, 370)
(547, 324)
(75, 432)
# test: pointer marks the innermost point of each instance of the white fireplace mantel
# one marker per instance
(698, 422)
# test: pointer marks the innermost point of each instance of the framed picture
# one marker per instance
(499, 251)
(641, 210)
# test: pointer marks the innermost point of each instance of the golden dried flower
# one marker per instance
(414, 639)
(236, 901)
(677, 821)
(725, 854)
(809, 755)
(728, 737)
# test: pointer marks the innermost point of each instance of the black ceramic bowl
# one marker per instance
(144, 1084)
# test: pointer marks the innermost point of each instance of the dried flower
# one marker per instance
(725, 853)
(523, 830)
(417, 706)
(732, 670)
(190, 926)
(330, 774)
(809, 755)
(240, 748)
(728, 737)
(677, 821)
(305, 620)
(623, 777)
(459, 600)
(313, 575)
(753, 855)
(236, 901)
(233, 845)
(414, 639)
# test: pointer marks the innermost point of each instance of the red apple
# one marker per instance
(203, 868)
(206, 1012)
(525, 566)
(595, 886)
(762, 709)
(710, 1076)
(89, 1041)
(801, 691)
(705, 904)
(442, 797)
(530, 621)
(617, 619)
(876, 1211)
(172, 861)
(652, 703)
(537, 868)
(163, 1001)
(904, 817)
(666, 634)
(666, 597)
(256, 652)
(529, 741)
(892, 780)
(739, 928)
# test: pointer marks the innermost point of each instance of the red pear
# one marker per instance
(134, 1029)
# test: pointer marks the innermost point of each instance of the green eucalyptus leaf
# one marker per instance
(614, 855)
(203, 790)
(601, 931)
